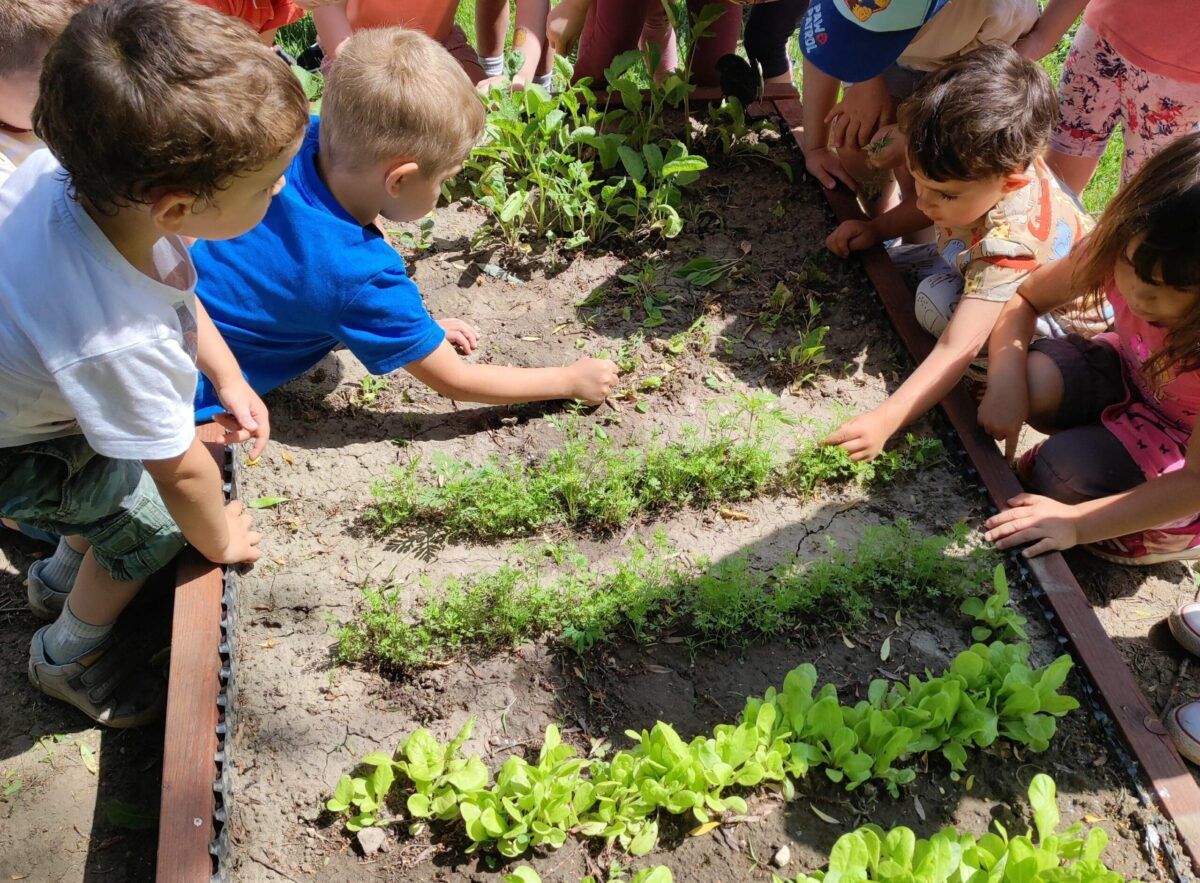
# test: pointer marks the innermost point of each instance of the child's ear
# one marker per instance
(396, 174)
(170, 209)
(1015, 181)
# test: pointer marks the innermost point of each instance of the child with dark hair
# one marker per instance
(975, 133)
(1117, 475)
(164, 120)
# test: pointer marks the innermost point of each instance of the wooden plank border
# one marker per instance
(187, 823)
(1172, 782)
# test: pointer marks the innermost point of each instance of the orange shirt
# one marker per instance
(433, 17)
(262, 15)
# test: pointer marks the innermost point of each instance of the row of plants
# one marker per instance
(1043, 854)
(653, 594)
(990, 692)
(590, 483)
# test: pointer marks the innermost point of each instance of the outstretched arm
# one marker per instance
(442, 370)
(864, 436)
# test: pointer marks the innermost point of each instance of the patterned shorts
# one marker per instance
(1100, 89)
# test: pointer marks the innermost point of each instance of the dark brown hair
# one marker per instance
(985, 114)
(141, 94)
(28, 27)
(1160, 209)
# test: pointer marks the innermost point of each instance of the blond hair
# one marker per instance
(394, 92)
(28, 27)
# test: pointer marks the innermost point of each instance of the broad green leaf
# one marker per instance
(523, 874)
(1045, 809)
(266, 502)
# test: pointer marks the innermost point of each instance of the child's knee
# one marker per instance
(1045, 384)
(1057, 474)
(935, 300)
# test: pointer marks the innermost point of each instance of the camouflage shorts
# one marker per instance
(62, 485)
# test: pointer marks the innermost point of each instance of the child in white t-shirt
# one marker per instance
(100, 330)
(27, 28)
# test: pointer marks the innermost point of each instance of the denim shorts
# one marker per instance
(63, 486)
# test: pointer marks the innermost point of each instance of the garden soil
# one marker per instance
(304, 721)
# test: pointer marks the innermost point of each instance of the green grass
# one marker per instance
(591, 484)
(650, 595)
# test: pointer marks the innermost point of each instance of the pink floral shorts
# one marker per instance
(1101, 89)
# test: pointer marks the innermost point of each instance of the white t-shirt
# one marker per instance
(15, 148)
(87, 342)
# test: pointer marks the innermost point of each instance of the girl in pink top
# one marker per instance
(1115, 475)
(1133, 64)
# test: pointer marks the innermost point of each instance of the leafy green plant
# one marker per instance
(726, 132)
(989, 692)
(422, 239)
(705, 271)
(651, 594)
(1041, 855)
(997, 618)
(369, 388)
(656, 874)
(566, 169)
(804, 358)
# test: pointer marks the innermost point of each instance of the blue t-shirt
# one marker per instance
(304, 280)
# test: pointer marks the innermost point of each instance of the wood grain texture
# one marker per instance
(1170, 778)
(185, 826)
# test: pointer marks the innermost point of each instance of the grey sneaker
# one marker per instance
(45, 602)
(101, 684)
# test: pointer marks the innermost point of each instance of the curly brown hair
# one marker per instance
(1159, 209)
(139, 95)
(985, 114)
(28, 27)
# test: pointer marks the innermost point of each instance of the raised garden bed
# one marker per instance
(689, 349)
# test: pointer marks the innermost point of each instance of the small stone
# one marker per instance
(782, 856)
(371, 840)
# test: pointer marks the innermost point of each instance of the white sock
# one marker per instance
(61, 568)
(493, 65)
(70, 637)
(544, 80)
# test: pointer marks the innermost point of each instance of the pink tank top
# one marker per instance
(1159, 36)
(1154, 425)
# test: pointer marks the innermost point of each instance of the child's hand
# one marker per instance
(564, 24)
(1002, 413)
(246, 418)
(863, 109)
(460, 335)
(1047, 524)
(851, 236)
(592, 379)
(242, 547)
(887, 149)
(1036, 45)
(864, 436)
(824, 165)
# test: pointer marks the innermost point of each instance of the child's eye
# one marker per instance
(947, 197)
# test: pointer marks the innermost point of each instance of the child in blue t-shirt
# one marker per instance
(399, 117)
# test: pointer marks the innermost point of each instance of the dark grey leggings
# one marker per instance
(1084, 463)
(767, 33)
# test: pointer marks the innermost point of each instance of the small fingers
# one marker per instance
(1010, 448)
(1041, 547)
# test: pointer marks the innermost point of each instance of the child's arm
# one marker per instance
(564, 24)
(333, 28)
(864, 108)
(588, 379)
(1056, 20)
(190, 486)
(864, 436)
(819, 96)
(1049, 524)
(1005, 405)
(850, 236)
(247, 417)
